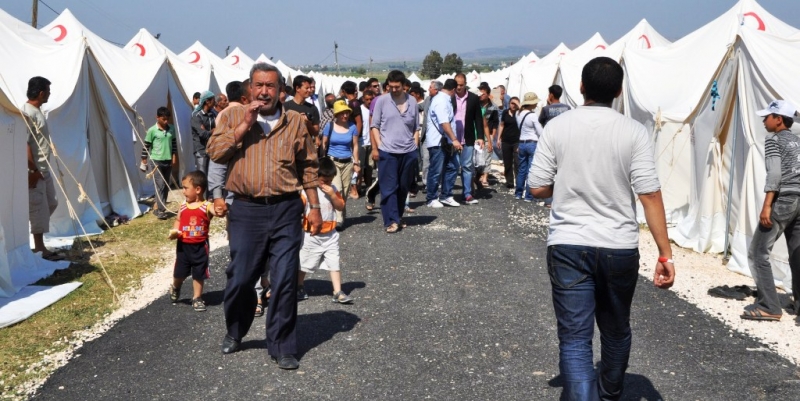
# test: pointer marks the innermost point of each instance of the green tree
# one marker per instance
(432, 65)
(452, 64)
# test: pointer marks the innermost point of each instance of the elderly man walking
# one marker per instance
(599, 160)
(271, 158)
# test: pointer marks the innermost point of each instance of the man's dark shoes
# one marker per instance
(229, 345)
(287, 362)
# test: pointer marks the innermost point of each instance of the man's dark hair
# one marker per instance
(602, 80)
(329, 94)
(37, 85)
(485, 89)
(288, 90)
(369, 92)
(349, 87)
(556, 91)
(234, 90)
(371, 81)
(396, 76)
(163, 112)
(407, 82)
(196, 96)
(197, 178)
(362, 85)
(787, 121)
(462, 75)
(326, 168)
(417, 90)
(300, 80)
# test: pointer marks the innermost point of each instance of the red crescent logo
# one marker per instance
(761, 26)
(561, 54)
(600, 47)
(533, 61)
(62, 34)
(646, 39)
(196, 57)
(237, 60)
(141, 49)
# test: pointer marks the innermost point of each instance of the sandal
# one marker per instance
(757, 314)
(393, 228)
(370, 206)
(259, 310)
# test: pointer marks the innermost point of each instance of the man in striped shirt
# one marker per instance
(271, 157)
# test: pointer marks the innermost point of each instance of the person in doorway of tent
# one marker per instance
(508, 141)
(220, 103)
(780, 213)
(592, 253)
(161, 147)
(395, 134)
(470, 132)
(42, 201)
(323, 247)
(443, 146)
(491, 121)
(340, 144)
(191, 232)
(264, 228)
(195, 100)
(202, 126)
(554, 106)
(301, 86)
(365, 145)
(529, 132)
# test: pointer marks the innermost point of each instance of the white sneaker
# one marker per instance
(143, 167)
(540, 203)
(450, 202)
(435, 204)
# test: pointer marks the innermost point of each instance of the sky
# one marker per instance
(303, 32)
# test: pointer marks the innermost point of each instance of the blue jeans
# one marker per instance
(395, 174)
(434, 174)
(467, 170)
(591, 284)
(452, 165)
(525, 157)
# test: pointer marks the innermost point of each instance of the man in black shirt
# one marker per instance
(554, 106)
(302, 90)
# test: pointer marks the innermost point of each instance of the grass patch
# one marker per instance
(128, 253)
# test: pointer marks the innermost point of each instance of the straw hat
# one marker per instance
(340, 106)
(530, 99)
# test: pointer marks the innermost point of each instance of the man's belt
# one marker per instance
(267, 200)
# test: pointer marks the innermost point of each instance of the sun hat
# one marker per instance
(530, 99)
(779, 107)
(340, 106)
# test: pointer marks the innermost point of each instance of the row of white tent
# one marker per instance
(104, 97)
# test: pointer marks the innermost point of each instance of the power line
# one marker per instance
(326, 57)
(51, 8)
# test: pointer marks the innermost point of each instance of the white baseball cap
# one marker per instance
(779, 107)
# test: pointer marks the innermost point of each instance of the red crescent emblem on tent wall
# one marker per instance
(561, 54)
(600, 47)
(532, 61)
(237, 60)
(474, 77)
(196, 57)
(141, 49)
(761, 26)
(646, 39)
(62, 34)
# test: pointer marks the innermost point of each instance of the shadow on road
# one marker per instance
(314, 329)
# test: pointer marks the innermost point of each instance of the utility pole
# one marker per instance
(35, 14)
(227, 49)
(336, 55)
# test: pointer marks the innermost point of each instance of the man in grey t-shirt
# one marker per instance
(42, 200)
(780, 211)
(599, 160)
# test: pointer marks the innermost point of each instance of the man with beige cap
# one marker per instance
(529, 132)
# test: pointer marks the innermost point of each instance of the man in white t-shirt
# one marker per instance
(593, 161)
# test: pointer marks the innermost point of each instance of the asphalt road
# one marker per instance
(455, 307)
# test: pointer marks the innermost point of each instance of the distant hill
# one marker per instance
(508, 52)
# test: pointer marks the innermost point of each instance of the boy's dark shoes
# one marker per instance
(229, 345)
(287, 362)
(174, 294)
(198, 305)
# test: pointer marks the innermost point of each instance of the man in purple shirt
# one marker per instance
(395, 134)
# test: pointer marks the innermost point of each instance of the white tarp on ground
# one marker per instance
(30, 300)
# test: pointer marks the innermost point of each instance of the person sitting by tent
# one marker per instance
(780, 212)
(42, 200)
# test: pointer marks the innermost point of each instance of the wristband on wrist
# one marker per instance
(662, 259)
(313, 206)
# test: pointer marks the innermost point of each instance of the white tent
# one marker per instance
(221, 71)
(538, 76)
(238, 60)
